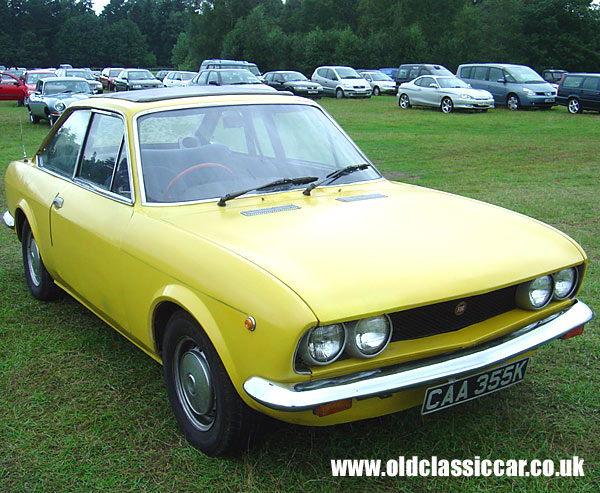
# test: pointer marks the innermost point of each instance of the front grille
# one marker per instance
(440, 318)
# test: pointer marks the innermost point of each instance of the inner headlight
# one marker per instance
(564, 283)
(369, 336)
(60, 107)
(323, 345)
(535, 294)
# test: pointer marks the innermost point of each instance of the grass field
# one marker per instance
(83, 409)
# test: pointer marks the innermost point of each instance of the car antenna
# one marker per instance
(22, 140)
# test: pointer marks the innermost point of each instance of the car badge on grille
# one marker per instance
(460, 308)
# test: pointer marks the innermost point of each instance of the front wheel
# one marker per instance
(512, 102)
(339, 93)
(207, 407)
(403, 101)
(40, 282)
(574, 106)
(447, 105)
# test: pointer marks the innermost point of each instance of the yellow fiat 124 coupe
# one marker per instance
(240, 238)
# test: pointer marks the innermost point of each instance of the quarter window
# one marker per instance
(590, 83)
(61, 152)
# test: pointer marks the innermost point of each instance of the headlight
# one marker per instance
(323, 345)
(535, 294)
(528, 91)
(60, 107)
(564, 283)
(369, 337)
(466, 96)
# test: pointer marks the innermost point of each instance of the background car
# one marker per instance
(341, 82)
(225, 77)
(553, 75)
(579, 91)
(53, 95)
(32, 76)
(12, 88)
(410, 71)
(161, 74)
(108, 76)
(135, 78)
(295, 82)
(219, 63)
(380, 82)
(515, 86)
(445, 92)
(178, 78)
(390, 72)
(82, 73)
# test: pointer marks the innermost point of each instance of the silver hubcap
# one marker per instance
(513, 103)
(446, 106)
(339, 94)
(194, 385)
(574, 106)
(34, 261)
(404, 101)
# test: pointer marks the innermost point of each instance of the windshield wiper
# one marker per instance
(331, 177)
(301, 180)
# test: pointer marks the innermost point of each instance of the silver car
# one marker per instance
(341, 82)
(445, 92)
(178, 78)
(52, 96)
(380, 82)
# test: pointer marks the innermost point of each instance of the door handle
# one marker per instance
(58, 202)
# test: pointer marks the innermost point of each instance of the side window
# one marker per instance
(465, 72)
(268, 77)
(508, 77)
(61, 151)
(479, 73)
(202, 78)
(427, 81)
(413, 73)
(572, 81)
(495, 74)
(590, 83)
(101, 150)
(212, 78)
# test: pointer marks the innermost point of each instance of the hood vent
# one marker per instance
(270, 210)
(355, 198)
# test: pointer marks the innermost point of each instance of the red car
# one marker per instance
(32, 76)
(12, 89)
(108, 76)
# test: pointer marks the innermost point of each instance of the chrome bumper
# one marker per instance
(309, 395)
(8, 220)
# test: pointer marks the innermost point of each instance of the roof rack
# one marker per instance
(166, 93)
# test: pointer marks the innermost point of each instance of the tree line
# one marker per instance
(301, 34)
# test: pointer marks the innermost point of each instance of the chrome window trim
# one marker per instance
(74, 179)
(138, 156)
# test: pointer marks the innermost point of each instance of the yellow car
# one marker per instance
(240, 238)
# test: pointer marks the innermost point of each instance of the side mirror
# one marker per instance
(335, 77)
(502, 80)
(433, 84)
(213, 83)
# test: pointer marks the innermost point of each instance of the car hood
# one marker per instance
(302, 83)
(380, 247)
(67, 98)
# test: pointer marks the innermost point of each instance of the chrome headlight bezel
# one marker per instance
(308, 356)
(352, 346)
(60, 107)
(525, 291)
(574, 283)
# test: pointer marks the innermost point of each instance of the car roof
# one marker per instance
(492, 65)
(64, 79)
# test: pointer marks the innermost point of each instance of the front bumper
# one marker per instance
(8, 220)
(384, 381)
(538, 101)
(474, 104)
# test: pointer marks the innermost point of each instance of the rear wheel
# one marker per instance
(512, 102)
(207, 407)
(447, 105)
(403, 101)
(376, 91)
(32, 117)
(574, 106)
(40, 282)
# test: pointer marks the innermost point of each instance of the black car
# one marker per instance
(135, 78)
(410, 71)
(553, 75)
(579, 92)
(295, 82)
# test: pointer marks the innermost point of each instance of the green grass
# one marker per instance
(82, 409)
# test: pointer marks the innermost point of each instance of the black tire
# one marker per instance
(447, 106)
(40, 282)
(376, 91)
(512, 102)
(339, 93)
(404, 101)
(574, 106)
(209, 412)
(32, 118)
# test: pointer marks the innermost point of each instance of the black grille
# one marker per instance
(440, 318)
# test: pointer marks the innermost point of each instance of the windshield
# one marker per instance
(347, 73)
(33, 78)
(205, 153)
(452, 82)
(80, 73)
(524, 75)
(140, 75)
(66, 86)
(379, 76)
(291, 76)
(238, 77)
(113, 72)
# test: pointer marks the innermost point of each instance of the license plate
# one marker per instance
(472, 387)
(549, 100)
(310, 91)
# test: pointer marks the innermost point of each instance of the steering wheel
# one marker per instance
(195, 167)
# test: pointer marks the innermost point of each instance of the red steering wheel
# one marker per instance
(194, 168)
